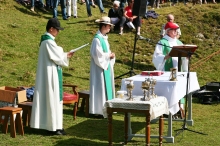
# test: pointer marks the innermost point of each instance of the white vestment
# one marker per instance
(47, 109)
(99, 62)
(158, 56)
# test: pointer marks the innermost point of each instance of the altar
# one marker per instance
(172, 90)
(152, 109)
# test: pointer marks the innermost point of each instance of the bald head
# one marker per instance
(170, 18)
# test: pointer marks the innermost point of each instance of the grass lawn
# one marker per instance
(20, 32)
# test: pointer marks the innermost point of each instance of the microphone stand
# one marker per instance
(184, 127)
(131, 72)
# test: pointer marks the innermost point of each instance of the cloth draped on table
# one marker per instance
(156, 106)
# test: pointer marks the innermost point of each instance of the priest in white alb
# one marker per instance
(102, 86)
(47, 109)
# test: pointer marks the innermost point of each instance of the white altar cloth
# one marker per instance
(172, 90)
(156, 106)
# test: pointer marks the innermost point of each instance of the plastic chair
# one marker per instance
(71, 98)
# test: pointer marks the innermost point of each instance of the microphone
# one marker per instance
(143, 38)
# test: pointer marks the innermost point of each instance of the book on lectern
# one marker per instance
(183, 50)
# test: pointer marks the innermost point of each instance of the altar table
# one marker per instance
(172, 90)
(152, 109)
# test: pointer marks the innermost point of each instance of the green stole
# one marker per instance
(59, 69)
(166, 49)
(107, 73)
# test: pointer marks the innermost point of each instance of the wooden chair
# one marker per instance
(71, 98)
(68, 98)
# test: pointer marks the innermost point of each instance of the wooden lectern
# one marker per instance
(182, 51)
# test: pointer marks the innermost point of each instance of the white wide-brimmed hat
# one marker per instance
(105, 20)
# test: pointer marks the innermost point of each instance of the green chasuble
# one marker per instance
(166, 49)
(60, 77)
(107, 73)
(59, 69)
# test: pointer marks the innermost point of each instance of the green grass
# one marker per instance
(20, 32)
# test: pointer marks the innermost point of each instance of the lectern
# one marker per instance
(182, 51)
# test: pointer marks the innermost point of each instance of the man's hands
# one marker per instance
(166, 57)
(112, 55)
(69, 54)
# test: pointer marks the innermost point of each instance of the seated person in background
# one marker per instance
(135, 20)
(116, 15)
(164, 46)
(170, 18)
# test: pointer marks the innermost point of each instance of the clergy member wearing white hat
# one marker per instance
(161, 58)
(102, 86)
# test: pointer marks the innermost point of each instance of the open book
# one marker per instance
(74, 50)
(186, 46)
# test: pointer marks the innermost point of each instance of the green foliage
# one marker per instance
(20, 32)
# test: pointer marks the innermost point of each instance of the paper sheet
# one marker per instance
(74, 50)
(130, 25)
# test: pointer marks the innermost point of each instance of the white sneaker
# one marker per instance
(32, 9)
(121, 33)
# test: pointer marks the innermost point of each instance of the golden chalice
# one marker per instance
(130, 87)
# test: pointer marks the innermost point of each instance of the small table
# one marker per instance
(151, 109)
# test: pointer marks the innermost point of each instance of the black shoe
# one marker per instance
(90, 15)
(165, 116)
(63, 132)
(43, 9)
(57, 132)
(66, 18)
(103, 12)
(60, 132)
(98, 116)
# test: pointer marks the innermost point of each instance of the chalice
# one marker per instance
(145, 87)
(130, 87)
(173, 74)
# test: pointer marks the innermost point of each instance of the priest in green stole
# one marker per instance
(102, 86)
(162, 50)
(47, 109)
